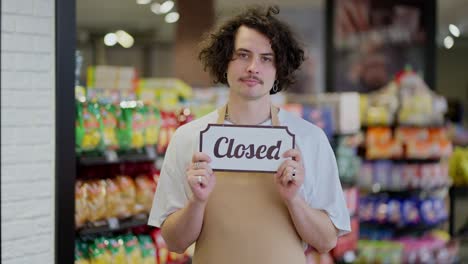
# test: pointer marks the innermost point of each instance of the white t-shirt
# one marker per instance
(321, 188)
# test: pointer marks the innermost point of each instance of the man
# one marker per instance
(251, 217)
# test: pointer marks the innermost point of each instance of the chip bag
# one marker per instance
(109, 121)
(145, 188)
(148, 249)
(88, 127)
(132, 249)
(99, 253)
(81, 204)
(81, 253)
(117, 250)
(152, 125)
(128, 195)
(96, 197)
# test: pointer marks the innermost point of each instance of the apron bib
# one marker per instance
(246, 222)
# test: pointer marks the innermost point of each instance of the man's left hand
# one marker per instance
(290, 175)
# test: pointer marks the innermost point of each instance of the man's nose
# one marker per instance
(253, 66)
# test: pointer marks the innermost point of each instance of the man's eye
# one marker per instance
(267, 59)
(243, 55)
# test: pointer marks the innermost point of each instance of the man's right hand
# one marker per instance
(200, 177)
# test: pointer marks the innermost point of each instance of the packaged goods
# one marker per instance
(116, 249)
(109, 120)
(88, 127)
(128, 195)
(145, 188)
(152, 126)
(132, 249)
(81, 253)
(81, 204)
(98, 252)
(96, 194)
(148, 249)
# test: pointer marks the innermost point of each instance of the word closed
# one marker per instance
(246, 148)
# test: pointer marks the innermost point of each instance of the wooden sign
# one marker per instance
(246, 148)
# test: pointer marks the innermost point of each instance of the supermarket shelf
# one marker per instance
(399, 231)
(112, 225)
(114, 157)
(405, 192)
(406, 160)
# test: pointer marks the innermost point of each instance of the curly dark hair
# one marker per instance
(218, 47)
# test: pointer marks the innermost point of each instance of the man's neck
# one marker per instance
(242, 112)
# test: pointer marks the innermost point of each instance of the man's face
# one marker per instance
(251, 72)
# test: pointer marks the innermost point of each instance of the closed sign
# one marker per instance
(246, 148)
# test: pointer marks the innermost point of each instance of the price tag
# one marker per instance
(151, 152)
(113, 223)
(111, 155)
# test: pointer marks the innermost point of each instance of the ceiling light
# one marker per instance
(124, 39)
(143, 2)
(166, 6)
(110, 39)
(156, 8)
(448, 42)
(172, 17)
(454, 30)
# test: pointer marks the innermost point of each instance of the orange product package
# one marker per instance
(96, 190)
(384, 150)
(376, 135)
(420, 149)
(81, 204)
(408, 134)
(128, 195)
(145, 189)
(438, 133)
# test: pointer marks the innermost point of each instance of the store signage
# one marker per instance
(246, 148)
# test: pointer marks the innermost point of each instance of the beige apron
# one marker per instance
(246, 222)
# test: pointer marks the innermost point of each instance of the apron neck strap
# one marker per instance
(273, 113)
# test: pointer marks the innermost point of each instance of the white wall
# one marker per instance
(27, 128)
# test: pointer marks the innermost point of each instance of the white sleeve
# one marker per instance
(324, 190)
(170, 193)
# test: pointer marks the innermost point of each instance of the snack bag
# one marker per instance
(89, 127)
(81, 204)
(132, 249)
(81, 253)
(114, 204)
(138, 128)
(152, 126)
(109, 121)
(117, 250)
(96, 190)
(98, 252)
(168, 127)
(148, 249)
(128, 195)
(145, 188)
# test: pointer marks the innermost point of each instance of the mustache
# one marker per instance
(252, 77)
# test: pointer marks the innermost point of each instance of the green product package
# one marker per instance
(81, 252)
(89, 128)
(148, 250)
(132, 249)
(152, 117)
(109, 121)
(117, 250)
(98, 251)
